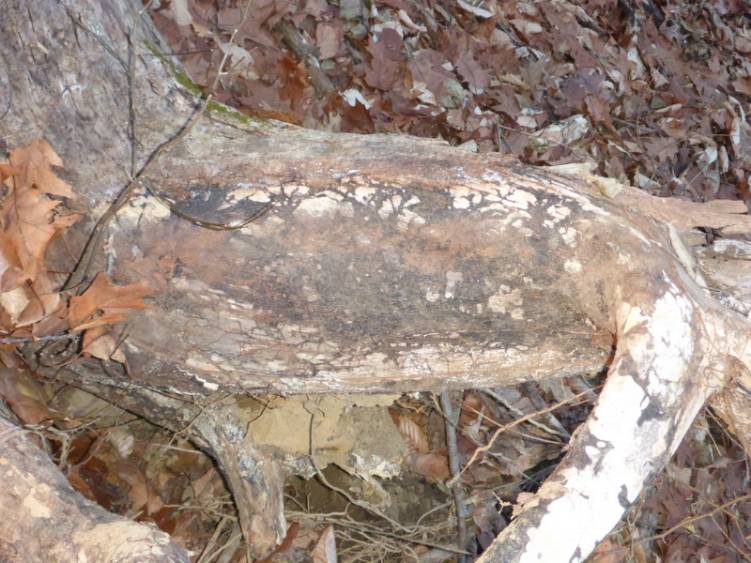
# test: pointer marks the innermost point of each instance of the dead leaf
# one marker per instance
(105, 303)
(385, 60)
(33, 165)
(29, 227)
(24, 396)
(142, 494)
(609, 552)
(99, 343)
(433, 466)
(470, 70)
(325, 549)
(413, 434)
(329, 36)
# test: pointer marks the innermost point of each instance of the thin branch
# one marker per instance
(451, 421)
(690, 520)
(81, 270)
(510, 425)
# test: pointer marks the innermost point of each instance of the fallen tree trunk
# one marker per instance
(380, 264)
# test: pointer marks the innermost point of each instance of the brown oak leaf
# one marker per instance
(33, 167)
(105, 303)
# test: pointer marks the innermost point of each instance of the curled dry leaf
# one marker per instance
(142, 494)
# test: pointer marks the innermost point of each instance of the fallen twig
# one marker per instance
(462, 512)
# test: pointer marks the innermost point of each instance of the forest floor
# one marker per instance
(654, 94)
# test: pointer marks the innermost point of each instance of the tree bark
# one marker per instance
(52, 522)
(380, 263)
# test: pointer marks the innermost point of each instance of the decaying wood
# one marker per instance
(384, 264)
(44, 519)
(219, 426)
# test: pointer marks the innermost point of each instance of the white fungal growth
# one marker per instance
(622, 446)
(324, 204)
(452, 280)
(432, 296)
(505, 300)
(572, 266)
(143, 209)
(521, 199)
(568, 234)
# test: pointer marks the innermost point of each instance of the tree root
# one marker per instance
(52, 522)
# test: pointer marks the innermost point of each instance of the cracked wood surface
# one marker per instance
(383, 263)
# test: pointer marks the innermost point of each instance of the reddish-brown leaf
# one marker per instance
(413, 434)
(105, 303)
(33, 165)
(385, 60)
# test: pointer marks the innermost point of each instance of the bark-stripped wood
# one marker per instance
(44, 519)
(382, 263)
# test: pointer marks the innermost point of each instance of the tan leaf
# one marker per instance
(325, 549)
(14, 302)
(6, 171)
(27, 215)
(24, 396)
(141, 493)
(105, 303)
(33, 166)
(413, 434)
(44, 300)
(433, 466)
(471, 71)
(100, 343)
(385, 60)
(29, 228)
(11, 272)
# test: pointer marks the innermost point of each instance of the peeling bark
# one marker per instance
(382, 263)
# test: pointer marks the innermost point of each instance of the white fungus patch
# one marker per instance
(432, 296)
(197, 362)
(461, 203)
(452, 280)
(505, 300)
(558, 212)
(36, 507)
(660, 345)
(732, 247)
(245, 191)
(521, 199)
(591, 493)
(324, 205)
(363, 195)
(572, 266)
(568, 234)
(211, 386)
(143, 208)
(408, 218)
